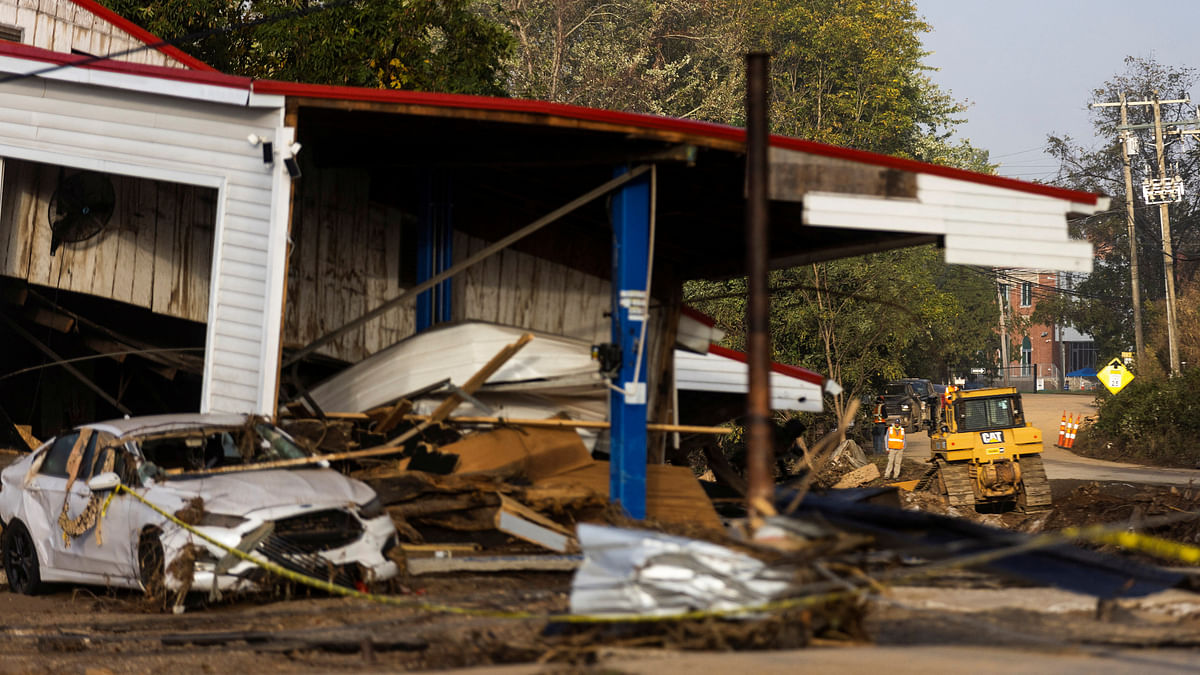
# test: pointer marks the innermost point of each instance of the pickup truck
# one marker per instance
(913, 400)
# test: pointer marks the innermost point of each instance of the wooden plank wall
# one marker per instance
(344, 261)
(155, 252)
(518, 289)
(61, 25)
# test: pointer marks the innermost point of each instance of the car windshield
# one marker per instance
(986, 413)
(208, 448)
(895, 389)
(923, 388)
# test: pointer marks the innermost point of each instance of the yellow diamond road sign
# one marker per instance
(1115, 376)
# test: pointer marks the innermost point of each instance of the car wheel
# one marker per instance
(151, 564)
(20, 560)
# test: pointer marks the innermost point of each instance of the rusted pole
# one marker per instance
(758, 329)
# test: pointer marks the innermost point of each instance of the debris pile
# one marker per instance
(530, 485)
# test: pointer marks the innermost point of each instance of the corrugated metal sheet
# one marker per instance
(180, 137)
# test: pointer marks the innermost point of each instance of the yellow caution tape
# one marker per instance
(1097, 533)
(1163, 548)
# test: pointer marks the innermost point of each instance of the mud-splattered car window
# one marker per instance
(201, 450)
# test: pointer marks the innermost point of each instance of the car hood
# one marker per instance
(242, 492)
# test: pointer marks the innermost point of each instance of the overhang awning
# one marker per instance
(724, 370)
(979, 224)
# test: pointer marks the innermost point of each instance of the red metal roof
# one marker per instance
(143, 35)
(781, 368)
(210, 76)
(547, 109)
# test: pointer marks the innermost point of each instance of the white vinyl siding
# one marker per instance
(172, 131)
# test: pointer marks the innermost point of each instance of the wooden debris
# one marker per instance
(472, 385)
(673, 495)
(26, 432)
(860, 476)
(524, 523)
(532, 453)
(469, 547)
(395, 415)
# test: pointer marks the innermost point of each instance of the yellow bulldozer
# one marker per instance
(984, 452)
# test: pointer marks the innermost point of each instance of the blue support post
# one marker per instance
(435, 236)
(627, 410)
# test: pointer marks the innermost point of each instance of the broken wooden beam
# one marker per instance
(558, 423)
(16, 328)
(50, 319)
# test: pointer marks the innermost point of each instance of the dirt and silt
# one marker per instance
(290, 630)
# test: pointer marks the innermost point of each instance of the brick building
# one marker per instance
(1038, 350)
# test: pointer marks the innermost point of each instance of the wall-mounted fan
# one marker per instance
(80, 208)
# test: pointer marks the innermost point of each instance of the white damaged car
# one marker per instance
(65, 522)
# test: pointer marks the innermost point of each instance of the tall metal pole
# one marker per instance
(1134, 277)
(1002, 301)
(758, 328)
(1168, 257)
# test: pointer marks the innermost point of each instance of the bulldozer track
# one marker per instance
(928, 480)
(956, 483)
(1035, 490)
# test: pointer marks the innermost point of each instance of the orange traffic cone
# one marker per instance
(1073, 425)
(1062, 431)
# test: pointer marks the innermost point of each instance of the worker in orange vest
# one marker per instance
(879, 418)
(895, 450)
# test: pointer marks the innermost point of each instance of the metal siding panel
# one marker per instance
(241, 376)
(242, 239)
(248, 271)
(250, 256)
(236, 207)
(234, 345)
(239, 315)
(251, 299)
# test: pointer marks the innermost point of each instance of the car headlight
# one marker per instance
(372, 509)
(210, 519)
(904, 407)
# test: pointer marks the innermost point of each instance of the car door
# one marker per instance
(108, 547)
(48, 489)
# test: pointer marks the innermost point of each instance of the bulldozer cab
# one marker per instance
(985, 411)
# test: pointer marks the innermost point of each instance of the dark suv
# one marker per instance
(911, 399)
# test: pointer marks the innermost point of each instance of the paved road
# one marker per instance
(1045, 411)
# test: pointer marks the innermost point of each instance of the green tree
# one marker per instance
(849, 72)
(681, 58)
(865, 320)
(432, 45)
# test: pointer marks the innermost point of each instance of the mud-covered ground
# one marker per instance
(94, 631)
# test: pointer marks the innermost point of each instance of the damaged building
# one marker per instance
(185, 240)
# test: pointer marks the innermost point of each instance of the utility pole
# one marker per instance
(1164, 218)
(1129, 147)
(1161, 191)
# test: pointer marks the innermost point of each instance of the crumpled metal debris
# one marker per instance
(629, 571)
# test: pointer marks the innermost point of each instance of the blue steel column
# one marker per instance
(627, 411)
(435, 254)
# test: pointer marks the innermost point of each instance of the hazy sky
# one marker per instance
(1029, 67)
